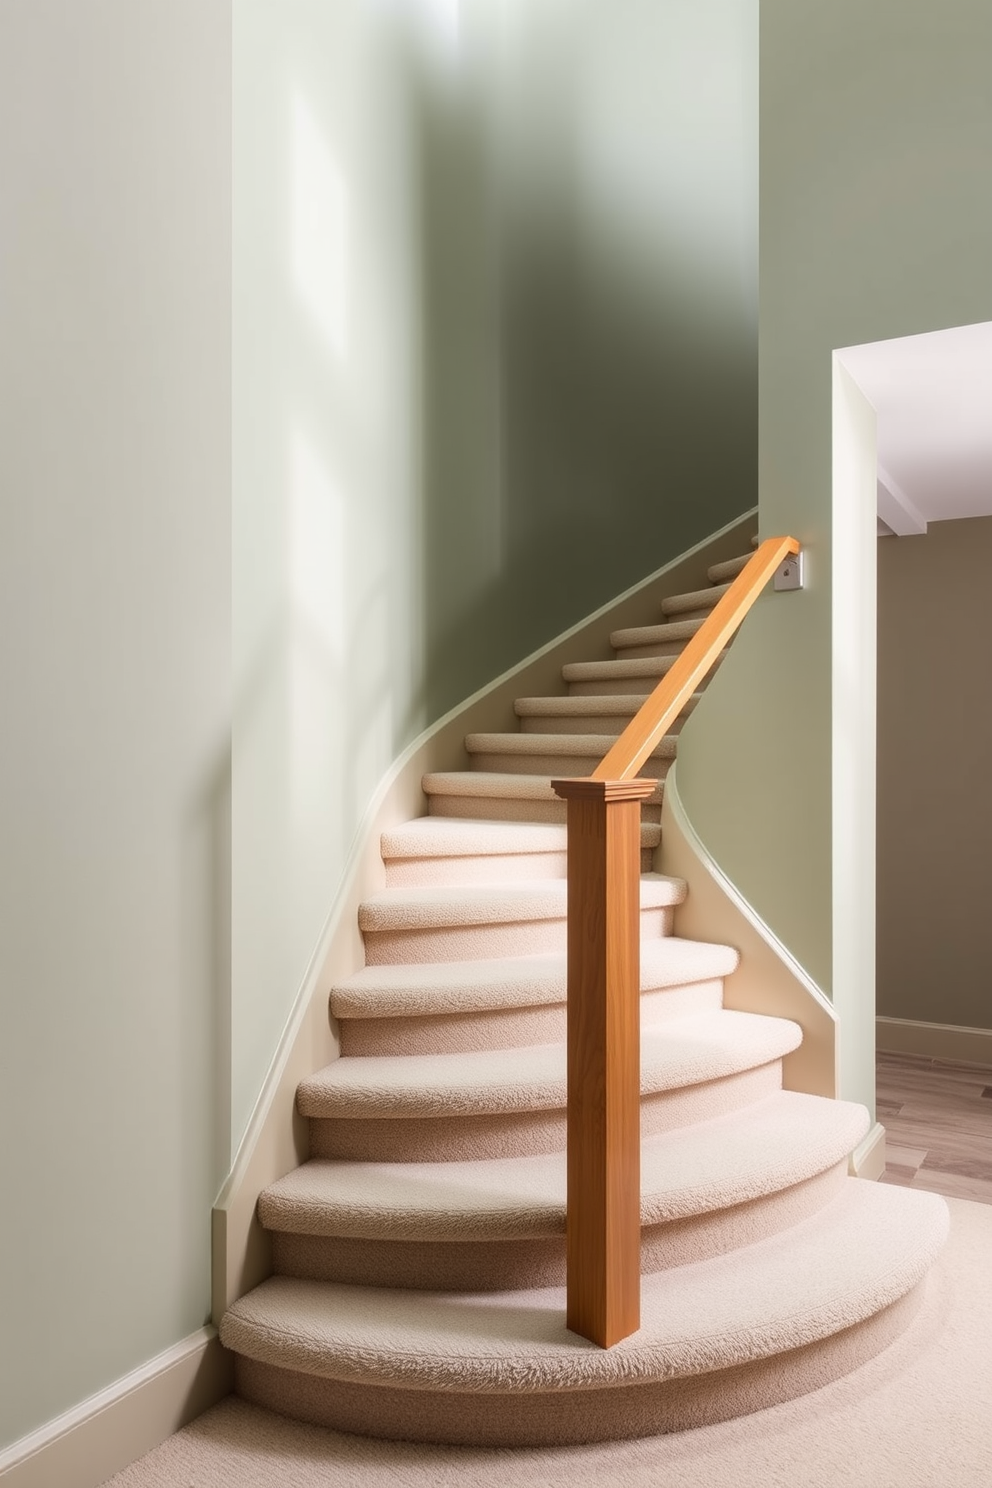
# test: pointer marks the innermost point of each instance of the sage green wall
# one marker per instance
(115, 653)
(934, 792)
(495, 360)
(875, 222)
(615, 241)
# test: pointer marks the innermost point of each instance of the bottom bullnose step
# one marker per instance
(718, 1339)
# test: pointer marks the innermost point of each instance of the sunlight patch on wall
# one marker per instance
(439, 22)
(319, 229)
(316, 548)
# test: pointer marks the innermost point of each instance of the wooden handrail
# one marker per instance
(663, 706)
(603, 1214)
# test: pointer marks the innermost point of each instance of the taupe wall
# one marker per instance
(934, 947)
(115, 667)
(875, 222)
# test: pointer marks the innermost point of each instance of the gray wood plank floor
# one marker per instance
(938, 1122)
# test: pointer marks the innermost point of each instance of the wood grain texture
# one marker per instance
(603, 1223)
(663, 706)
(938, 1122)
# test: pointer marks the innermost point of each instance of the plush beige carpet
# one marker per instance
(919, 1415)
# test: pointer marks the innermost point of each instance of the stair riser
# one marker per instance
(676, 632)
(493, 868)
(650, 648)
(510, 1028)
(499, 808)
(580, 673)
(505, 1028)
(724, 573)
(614, 687)
(578, 1417)
(659, 648)
(693, 606)
(486, 1265)
(517, 1133)
(606, 685)
(510, 808)
(697, 612)
(477, 942)
(560, 766)
(589, 723)
(488, 868)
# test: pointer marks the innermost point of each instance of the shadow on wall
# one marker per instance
(589, 358)
(494, 361)
(205, 1042)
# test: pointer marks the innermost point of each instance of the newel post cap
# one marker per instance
(586, 788)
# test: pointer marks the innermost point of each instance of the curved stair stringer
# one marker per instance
(769, 979)
(276, 1138)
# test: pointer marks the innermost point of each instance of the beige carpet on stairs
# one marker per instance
(393, 1312)
(918, 1415)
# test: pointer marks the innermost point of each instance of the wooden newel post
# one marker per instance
(603, 1223)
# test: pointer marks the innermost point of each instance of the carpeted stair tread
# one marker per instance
(461, 837)
(614, 708)
(496, 785)
(649, 667)
(767, 1147)
(651, 635)
(433, 905)
(691, 1051)
(856, 1256)
(721, 573)
(488, 783)
(409, 989)
(699, 599)
(580, 745)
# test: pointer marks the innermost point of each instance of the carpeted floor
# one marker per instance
(917, 1416)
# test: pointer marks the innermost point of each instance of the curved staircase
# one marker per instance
(419, 1254)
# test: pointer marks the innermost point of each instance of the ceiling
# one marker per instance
(933, 397)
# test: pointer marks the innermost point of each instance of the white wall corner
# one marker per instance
(853, 620)
(868, 1158)
(895, 508)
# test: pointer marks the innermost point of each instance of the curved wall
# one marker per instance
(494, 290)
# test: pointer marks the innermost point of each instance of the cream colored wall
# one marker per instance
(934, 792)
(115, 680)
(876, 132)
(328, 643)
(491, 286)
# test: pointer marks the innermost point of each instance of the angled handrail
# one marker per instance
(664, 705)
(603, 1215)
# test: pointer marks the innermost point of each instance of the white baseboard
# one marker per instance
(768, 980)
(88, 1444)
(934, 1040)
(868, 1158)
